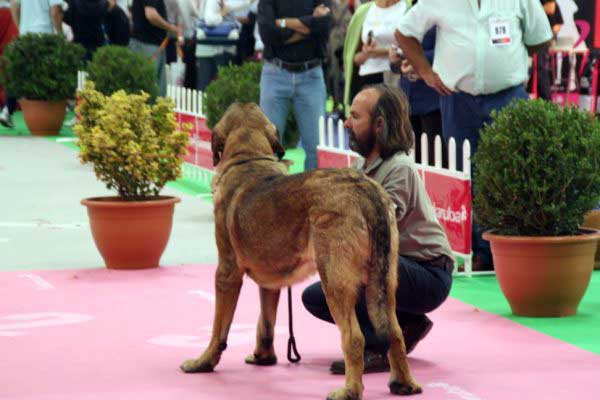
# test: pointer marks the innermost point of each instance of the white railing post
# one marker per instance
(322, 131)
(341, 134)
(424, 150)
(330, 141)
(452, 154)
(438, 151)
(466, 149)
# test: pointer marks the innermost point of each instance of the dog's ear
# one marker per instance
(216, 144)
(277, 147)
(273, 136)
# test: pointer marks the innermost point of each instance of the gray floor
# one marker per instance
(43, 225)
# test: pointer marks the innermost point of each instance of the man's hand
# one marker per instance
(408, 71)
(321, 10)
(434, 81)
(370, 49)
(225, 11)
(393, 55)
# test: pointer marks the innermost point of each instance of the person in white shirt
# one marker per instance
(480, 65)
(376, 37)
(37, 16)
(209, 56)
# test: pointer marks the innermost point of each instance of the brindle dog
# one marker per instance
(280, 228)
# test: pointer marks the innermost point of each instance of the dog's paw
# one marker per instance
(193, 365)
(404, 389)
(343, 394)
(255, 359)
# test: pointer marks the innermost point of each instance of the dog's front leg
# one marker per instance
(228, 282)
(264, 354)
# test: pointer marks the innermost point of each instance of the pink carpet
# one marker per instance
(99, 334)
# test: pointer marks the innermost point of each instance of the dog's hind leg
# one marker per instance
(264, 354)
(341, 299)
(228, 282)
(401, 380)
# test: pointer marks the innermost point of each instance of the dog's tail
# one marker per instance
(382, 273)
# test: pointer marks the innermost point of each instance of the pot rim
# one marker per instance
(586, 234)
(118, 202)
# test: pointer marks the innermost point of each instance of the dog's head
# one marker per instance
(245, 127)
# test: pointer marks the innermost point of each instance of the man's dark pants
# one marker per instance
(463, 115)
(422, 287)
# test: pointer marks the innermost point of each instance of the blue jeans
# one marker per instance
(158, 57)
(463, 115)
(422, 288)
(306, 91)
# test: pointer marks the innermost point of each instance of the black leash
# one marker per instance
(292, 340)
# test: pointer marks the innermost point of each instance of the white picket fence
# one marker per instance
(334, 138)
(187, 101)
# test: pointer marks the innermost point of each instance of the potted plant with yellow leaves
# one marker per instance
(135, 149)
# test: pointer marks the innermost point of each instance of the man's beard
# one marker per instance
(363, 147)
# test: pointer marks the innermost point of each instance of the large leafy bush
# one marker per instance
(537, 170)
(41, 66)
(116, 68)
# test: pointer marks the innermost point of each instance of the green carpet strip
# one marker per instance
(581, 330)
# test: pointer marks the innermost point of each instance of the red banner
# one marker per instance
(451, 198)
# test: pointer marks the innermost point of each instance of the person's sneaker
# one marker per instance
(6, 119)
(374, 362)
(415, 330)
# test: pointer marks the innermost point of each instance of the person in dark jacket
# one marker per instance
(96, 23)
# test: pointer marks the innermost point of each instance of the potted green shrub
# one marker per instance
(118, 68)
(41, 70)
(241, 84)
(135, 149)
(537, 176)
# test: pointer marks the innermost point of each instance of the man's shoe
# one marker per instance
(415, 330)
(6, 119)
(374, 362)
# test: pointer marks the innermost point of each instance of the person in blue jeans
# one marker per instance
(295, 34)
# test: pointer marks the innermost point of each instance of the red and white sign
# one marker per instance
(451, 198)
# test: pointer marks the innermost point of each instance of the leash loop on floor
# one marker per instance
(292, 340)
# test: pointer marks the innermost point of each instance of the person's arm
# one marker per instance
(413, 51)
(410, 32)
(15, 10)
(535, 26)
(56, 14)
(399, 184)
(155, 19)
(213, 13)
(270, 33)
(296, 37)
(319, 23)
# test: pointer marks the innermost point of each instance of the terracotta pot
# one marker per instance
(44, 118)
(544, 276)
(131, 234)
(592, 221)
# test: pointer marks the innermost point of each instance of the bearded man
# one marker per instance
(380, 131)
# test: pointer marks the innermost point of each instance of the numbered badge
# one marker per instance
(500, 32)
